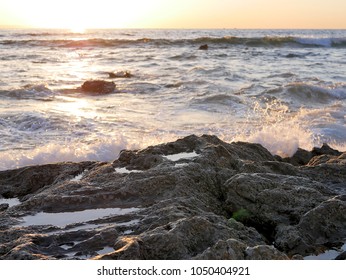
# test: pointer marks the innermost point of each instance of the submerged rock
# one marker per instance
(120, 74)
(195, 198)
(203, 47)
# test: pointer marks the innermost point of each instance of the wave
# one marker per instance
(274, 41)
(105, 150)
(75, 43)
(308, 94)
(35, 91)
(267, 41)
(316, 93)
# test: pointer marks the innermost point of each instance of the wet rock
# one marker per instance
(3, 206)
(293, 55)
(301, 157)
(325, 150)
(314, 157)
(195, 198)
(203, 47)
(120, 74)
(28, 180)
(342, 256)
(98, 87)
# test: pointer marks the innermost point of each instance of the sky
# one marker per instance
(84, 14)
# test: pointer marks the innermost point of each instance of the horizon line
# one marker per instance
(175, 28)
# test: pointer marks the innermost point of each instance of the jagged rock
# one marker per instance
(325, 150)
(195, 198)
(300, 157)
(28, 180)
(314, 157)
(98, 87)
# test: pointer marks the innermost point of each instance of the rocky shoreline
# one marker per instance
(195, 198)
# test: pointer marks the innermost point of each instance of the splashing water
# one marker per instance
(279, 130)
(283, 89)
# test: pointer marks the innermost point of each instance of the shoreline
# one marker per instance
(195, 198)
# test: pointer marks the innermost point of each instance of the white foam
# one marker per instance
(10, 201)
(104, 150)
(63, 219)
(181, 164)
(179, 156)
(323, 42)
(65, 247)
(280, 131)
(78, 177)
(279, 140)
(124, 170)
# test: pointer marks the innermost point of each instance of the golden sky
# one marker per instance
(82, 14)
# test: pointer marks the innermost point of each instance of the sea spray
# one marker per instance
(103, 150)
(277, 129)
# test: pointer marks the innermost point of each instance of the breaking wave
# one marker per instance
(267, 41)
(105, 150)
(30, 91)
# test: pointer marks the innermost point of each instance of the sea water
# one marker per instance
(283, 89)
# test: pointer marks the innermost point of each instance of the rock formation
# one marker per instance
(195, 198)
(98, 87)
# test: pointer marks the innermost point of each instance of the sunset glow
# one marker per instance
(79, 15)
(76, 15)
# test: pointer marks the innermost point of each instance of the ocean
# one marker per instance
(283, 89)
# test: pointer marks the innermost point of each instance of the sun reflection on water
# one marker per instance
(80, 108)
